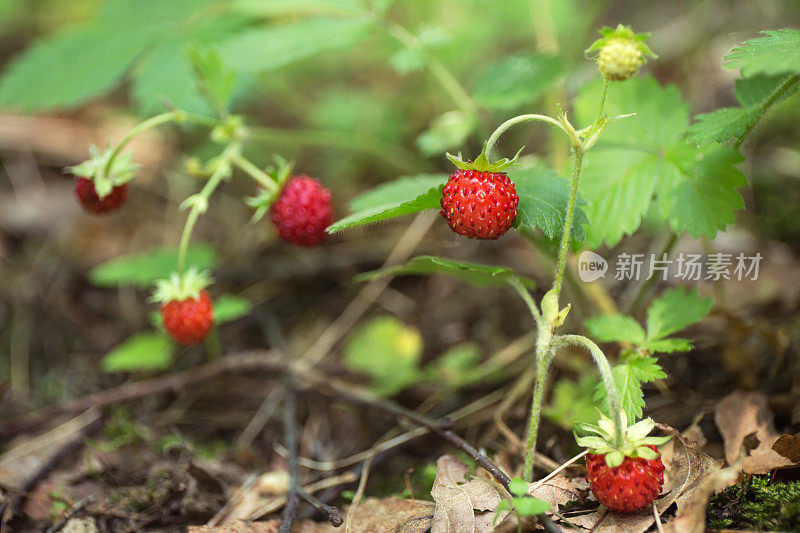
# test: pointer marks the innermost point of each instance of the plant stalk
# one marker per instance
(495, 136)
(566, 238)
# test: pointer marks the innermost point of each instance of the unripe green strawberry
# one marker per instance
(622, 52)
(619, 59)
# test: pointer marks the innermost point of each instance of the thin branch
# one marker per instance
(331, 512)
(290, 427)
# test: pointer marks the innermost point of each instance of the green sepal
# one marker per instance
(181, 287)
(625, 33)
(614, 458)
(121, 171)
(599, 439)
(262, 202)
(482, 163)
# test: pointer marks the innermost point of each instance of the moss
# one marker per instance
(756, 504)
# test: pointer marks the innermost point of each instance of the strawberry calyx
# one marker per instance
(181, 287)
(624, 34)
(105, 176)
(482, 163)
(635, 440)
(263, 200)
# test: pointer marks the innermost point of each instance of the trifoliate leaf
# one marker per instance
(543, 198)
(408, 196)
(426, 265)
(643, 155)
(616, 328)
(516, 81)
(778, 51)
(675, 310)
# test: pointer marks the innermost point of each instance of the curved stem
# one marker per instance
(526, 297)
(608, 378)
(543, 358)
(151, 122)
(603, 92)
(198, 206)
(566, 238)
(254, 172)
(495, 136)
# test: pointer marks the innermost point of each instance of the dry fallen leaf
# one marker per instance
(788, 446)
(462, 506)
(741, 414)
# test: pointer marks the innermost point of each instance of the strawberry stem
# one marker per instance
(495, 136)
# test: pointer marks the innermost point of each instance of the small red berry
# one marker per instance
(628, 487)
(303, 211)
(84, 190)
(478, 204)
(188, 321)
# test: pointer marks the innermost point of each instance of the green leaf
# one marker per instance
(426, 265)
(399, 191)
(213, 77)
(530, 506)
(616, 328)
(271, 47)
(504, 505)
(675, 310)
(543, 198)
(388, 351)
(516, 81)
(734, 122)
(228, 308)
(142, 270)
(644, 155)
(457, 366)
(71, 67)
(629, 375)
(398, 200)
(448, 131)
(144, 351)
(778, 51)
(573, 403)
(165, 77)
(518, 486)
(283, 8)
(669, 345)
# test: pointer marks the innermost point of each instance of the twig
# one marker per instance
(80, 504)
(331, 512)
(290, 427)
(657, 517)
(555, 472)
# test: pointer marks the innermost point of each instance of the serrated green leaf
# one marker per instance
(722, 125)
(262, 49)
(635, 158)
(543, 198)
(71, 67)
(142, 270)
(398, 191)
(144, 351)
(448, 131)
(282, 8)
(629, 376)
(530, 506)
(212, 76)
(426, 265)
(758, 89)
(778, 51)
(669, 345)
(675, 310)
(428, 200)
(516, 80)
(388, 351)
(615, 328)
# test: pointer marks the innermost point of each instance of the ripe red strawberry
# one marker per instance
(480, 205)
(186, 309)
(84, 190)
(628, 487)
(302, 211)
(623, 467)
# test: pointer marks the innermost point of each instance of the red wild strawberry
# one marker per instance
(628, 487)
(623, 468)
(186, 308)
(478, 204)
(302, 211)
(84, 190)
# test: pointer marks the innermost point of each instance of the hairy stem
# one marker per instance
(566, 237)
(543, 358)
(608, 378)
(254, 172)
(602, 105)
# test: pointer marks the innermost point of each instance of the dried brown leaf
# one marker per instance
(788, 446)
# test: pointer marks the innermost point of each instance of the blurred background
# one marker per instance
(337, 89)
